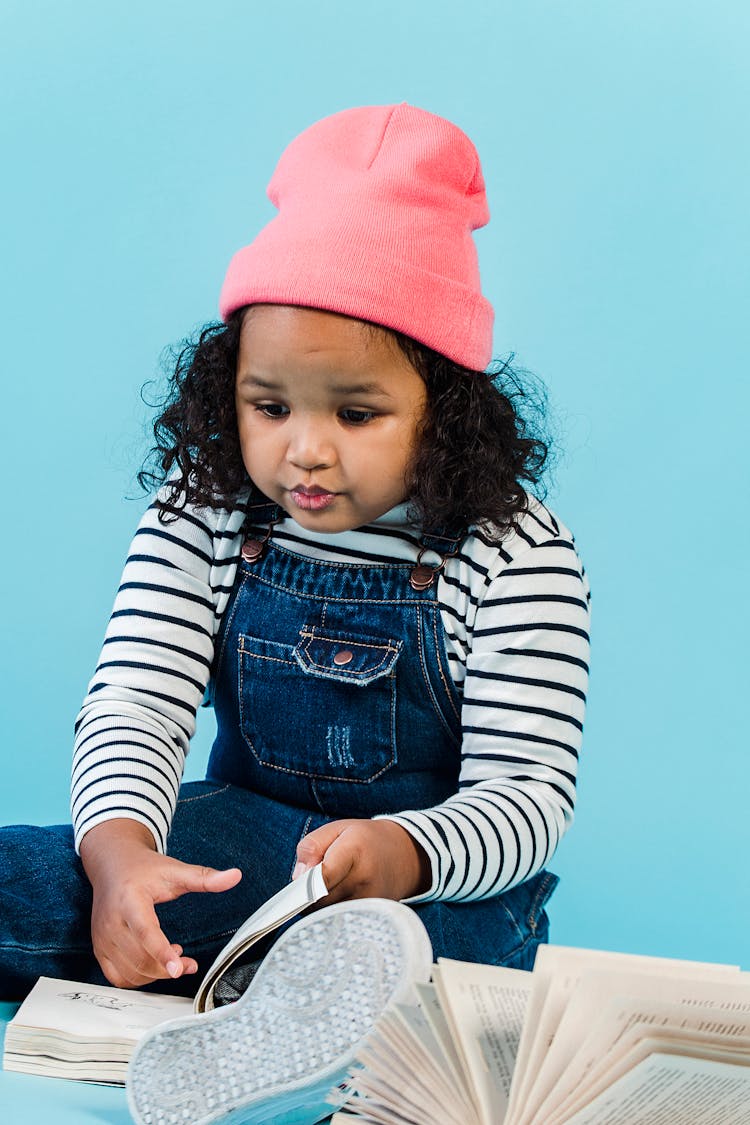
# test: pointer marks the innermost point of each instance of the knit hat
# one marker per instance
(376, 208)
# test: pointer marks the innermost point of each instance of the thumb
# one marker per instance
(312, 848)
(183, 877)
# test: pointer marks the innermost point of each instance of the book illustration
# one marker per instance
(113, 1003)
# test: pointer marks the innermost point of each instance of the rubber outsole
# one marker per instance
(281, 1051)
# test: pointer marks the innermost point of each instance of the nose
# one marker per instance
(309, 446)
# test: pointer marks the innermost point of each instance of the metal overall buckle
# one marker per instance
(422, 575)
(253, 548)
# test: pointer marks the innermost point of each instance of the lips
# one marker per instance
(311, 499)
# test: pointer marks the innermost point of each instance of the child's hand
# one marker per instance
(128, 877)
(365, 859)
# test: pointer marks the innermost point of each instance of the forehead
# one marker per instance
(277, 333)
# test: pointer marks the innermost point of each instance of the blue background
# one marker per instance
(137, 140)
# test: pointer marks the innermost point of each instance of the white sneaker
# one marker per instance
(280, 1052)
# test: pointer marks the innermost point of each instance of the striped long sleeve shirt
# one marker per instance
(515, 617)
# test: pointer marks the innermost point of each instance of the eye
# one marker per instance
(272, 409)
(357, 417)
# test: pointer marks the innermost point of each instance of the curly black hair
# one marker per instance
(479, 443)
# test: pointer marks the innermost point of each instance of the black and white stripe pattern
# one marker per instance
(515, 619)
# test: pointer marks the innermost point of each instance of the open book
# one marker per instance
(587, 1038)
(71, 1030)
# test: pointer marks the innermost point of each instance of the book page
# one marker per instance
(397, 1075)
(375, 1116)
(93, 1012)
(667, 1090)
(388, 1089)
(485, 1006)
(385, 1088)
(410, 1068)
(430, 1063)
(710, 1034)
(536, 1035)
(558, 971)
(287, 903)
(672, 1041)
(605, 1005)
(433, 1013)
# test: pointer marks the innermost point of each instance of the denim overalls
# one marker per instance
(332, 689)
(333, 699)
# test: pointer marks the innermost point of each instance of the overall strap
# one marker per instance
(445, 542)
(264, 511)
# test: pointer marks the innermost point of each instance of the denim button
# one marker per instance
(343, 657)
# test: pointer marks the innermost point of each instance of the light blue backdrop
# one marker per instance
(136, 143)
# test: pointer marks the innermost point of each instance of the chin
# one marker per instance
(323, 521)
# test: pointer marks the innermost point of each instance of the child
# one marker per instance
(392, 631)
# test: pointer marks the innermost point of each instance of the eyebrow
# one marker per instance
(252, 380)
(256, 381)
(360, 389)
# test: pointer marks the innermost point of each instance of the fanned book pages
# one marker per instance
(66, 1029)
(587, 1038)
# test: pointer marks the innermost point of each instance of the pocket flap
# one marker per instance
(340, 656)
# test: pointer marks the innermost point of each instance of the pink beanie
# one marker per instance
(376, 209)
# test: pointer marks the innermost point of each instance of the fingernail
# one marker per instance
(300, 869)
(174, 968)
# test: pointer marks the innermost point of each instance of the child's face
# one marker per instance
(328, 412)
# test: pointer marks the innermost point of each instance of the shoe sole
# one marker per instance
(281, 1050)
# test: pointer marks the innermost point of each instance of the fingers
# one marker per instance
(365, 859)
(336, 845)
(128, 940)
(312, 848)
(340, 867)
(184, 965)
(156, 955)
(131, 947)
(181, 878)
(130, 965)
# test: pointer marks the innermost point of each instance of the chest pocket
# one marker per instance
(322, 708)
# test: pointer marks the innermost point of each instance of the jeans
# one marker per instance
(45, 897)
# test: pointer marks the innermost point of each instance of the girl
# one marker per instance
(392, 631)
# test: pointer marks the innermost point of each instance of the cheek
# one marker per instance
(250, 441)
(393, 461)
(410, 439)
(242, 434)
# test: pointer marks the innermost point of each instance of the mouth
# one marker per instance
(311, 499)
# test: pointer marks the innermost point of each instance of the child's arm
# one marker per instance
(128, 877)
(523, 627)
(134, 729)
(135, 725)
